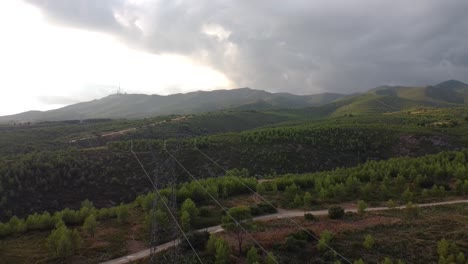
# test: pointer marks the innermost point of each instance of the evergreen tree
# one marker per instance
(185, 220)
(252, 256)
(407, 195)
(391, 204)
(62, 242)
(90, 225)
(190, 207)
(443, 248)
(461, 258)
(361, 207)
(243, 221)
(297, 201)
(325, 239)
(211, 244)
(122, 213)
(307, 200)
(260, 188)
(270, 258)
(369, 242)
(387, 261)
(222, 252)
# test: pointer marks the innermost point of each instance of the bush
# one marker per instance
(310, 217)
(295, 245)
(349, 214)
(412, 210)
(262, 209)
(197, 239)
(307, 200)
(17, 225)
(5, 230)
(391, 204)
(62, 242)
(368, 242)
(325, 239)
(336, 212)
(122, 213)
(252, 256)
(361, 207)
(90, 225)
(303, 235)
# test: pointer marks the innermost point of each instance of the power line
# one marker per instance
(217, 202)
(164, 202)
(279, 210)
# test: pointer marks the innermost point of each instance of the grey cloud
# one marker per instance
(299, 46)
(92, 14)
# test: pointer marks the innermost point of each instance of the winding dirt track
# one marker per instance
(281, 214)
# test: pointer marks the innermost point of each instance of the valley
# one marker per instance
(381, 157)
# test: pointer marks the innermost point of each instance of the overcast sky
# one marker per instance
(59, 52)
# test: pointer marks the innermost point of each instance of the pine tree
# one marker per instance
(407, 195)
(62, 242)
(443, 248)
(252, 256)
(260, 188)
(122, 213)
(190, 207)
(369, 242)
(185, 220)
(297, 201)
(387, 261)
(222, 252)
(270, 259)
(325, 239)
(90, 225)
(361, 207)
(307, 200)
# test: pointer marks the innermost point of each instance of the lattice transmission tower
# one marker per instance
(162, 228)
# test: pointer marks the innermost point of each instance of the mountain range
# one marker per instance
(450, 93)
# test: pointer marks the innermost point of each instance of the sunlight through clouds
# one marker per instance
(40, 60)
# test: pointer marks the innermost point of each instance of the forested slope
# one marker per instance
(51, 180)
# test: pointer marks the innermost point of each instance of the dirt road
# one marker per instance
(281, 214)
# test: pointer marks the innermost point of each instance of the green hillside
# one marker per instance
(104, 171)
(143, 106)
(386, 99)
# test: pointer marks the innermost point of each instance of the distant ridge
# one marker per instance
(140, 105)
(382, 99)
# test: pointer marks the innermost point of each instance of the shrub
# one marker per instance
(412, 210)
(307, 200)
(336, 212)
(252, 256)
(361, 207)
(90, 225)
(303, 235)
(310, 217)
(197, 239)
(62, 242)
(325, 239)
(368, 242)
(295, 245)
(391, 204)
(263, 208)
(122, 213)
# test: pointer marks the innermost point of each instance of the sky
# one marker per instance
(59, 52)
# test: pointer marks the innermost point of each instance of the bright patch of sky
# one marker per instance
(45, 66)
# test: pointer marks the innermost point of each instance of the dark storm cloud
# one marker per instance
(296, 46)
